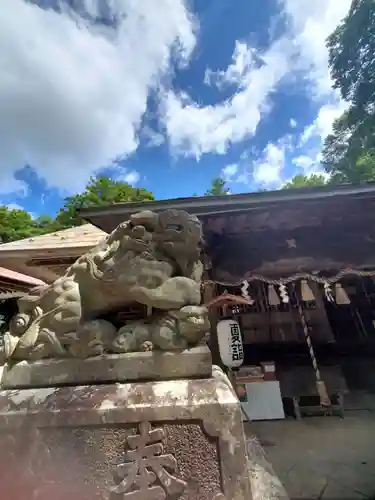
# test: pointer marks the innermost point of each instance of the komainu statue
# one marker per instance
(151, 259)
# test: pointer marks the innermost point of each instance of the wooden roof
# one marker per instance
(48, 256)
(274, 233)
(208, 207)
(86, 235)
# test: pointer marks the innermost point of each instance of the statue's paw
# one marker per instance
(192, 311)
(123, 343)
(132, 337)
(173, 293)
(10, 344)
(147, 346)
(40, 351)
(168, 339)
(193, 323)
(92, 338)
(3, 357)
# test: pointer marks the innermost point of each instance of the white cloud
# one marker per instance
(244, 60)
(8, 184)
(311, 26)
(304, 162)
(312, 138)
(269, 168)
(194, 129)
(229, 171)
(293, 123)
(322, 125)
(309, 164)
(153, 138)
(14, 206)
(261, 169)
(132, 177)
(123, 174)
(72, 94)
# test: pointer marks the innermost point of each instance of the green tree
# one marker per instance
(43, 221)
(218, 188)
(351, 46)
(99, 191)
(304, 181)
(351, 55)
(17, 224)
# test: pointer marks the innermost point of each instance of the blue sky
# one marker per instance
(164, 94)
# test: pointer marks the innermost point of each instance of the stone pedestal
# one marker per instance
(133, 366)
(161, 440)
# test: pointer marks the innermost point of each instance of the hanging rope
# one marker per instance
(325, 401)
(295, 277)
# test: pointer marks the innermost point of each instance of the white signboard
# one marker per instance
(230, 343)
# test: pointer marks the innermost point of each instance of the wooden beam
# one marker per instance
(279, 252)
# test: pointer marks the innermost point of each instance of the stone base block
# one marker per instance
(153, 365)
(167, 440)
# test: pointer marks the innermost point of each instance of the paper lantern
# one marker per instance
(230, 343)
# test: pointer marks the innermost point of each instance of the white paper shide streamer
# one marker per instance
(230, 343)
(245, 292)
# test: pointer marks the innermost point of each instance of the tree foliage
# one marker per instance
(351, 54)
(218, 188)
(19, 224)
(348, 151)
(304, 181)
(99, 191)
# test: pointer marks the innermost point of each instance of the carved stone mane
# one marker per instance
(152, 259)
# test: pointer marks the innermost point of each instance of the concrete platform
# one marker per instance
(325, 458)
